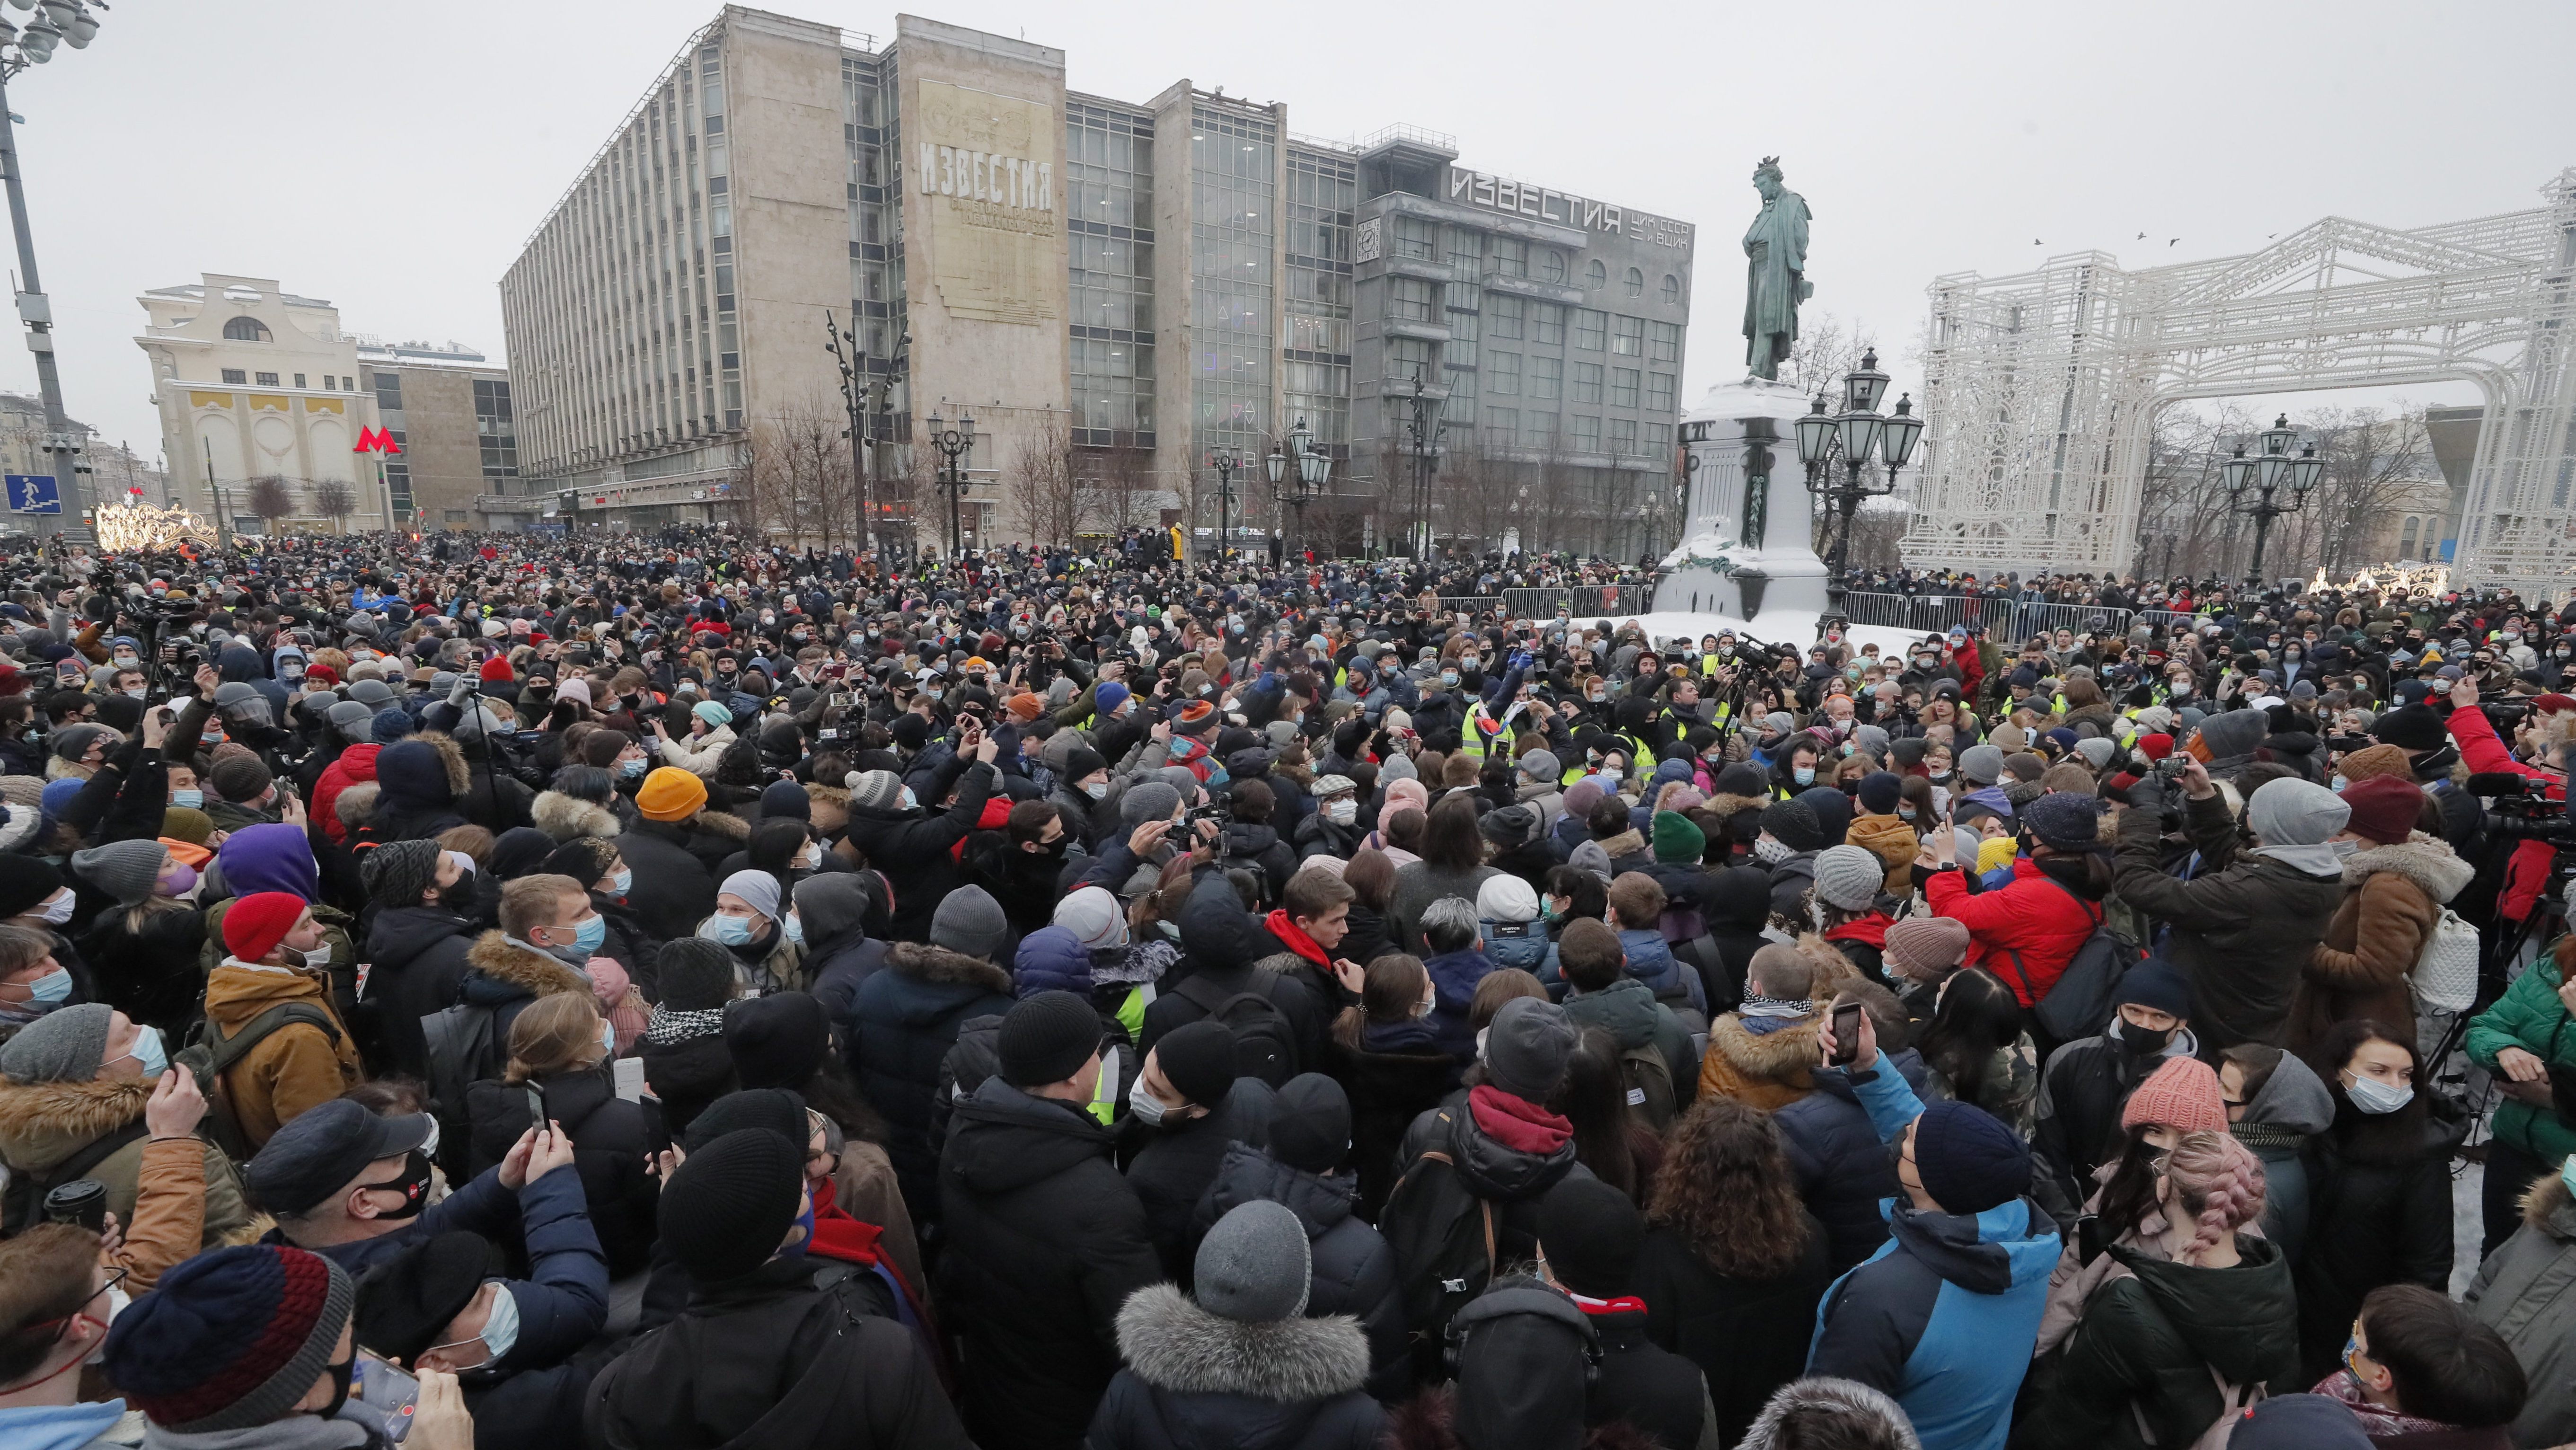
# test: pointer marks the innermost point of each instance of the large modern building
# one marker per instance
(255, 382)
(1117, 292)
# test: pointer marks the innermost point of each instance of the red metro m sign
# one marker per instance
(376, 440)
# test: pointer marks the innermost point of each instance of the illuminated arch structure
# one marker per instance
(2043, 388)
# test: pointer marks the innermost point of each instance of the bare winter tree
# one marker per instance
(1042, 487)
(1826, 349)
(335, 500)
(2374, 464)
(270, 498)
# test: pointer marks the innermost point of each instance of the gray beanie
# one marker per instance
(1541, 765)
(1254, 1266)
(126, 870)
(875, 789)
(2096, 751)
(1981, 764)
(829, 903)
(1397, 767)
(2234, 732)
(1181, 779)
(1147, 800)
(73, 741)
(969, 921)
(1849, 877)
(2295, 813)
(65, 1045)
(397, 872)
(1527, 1047)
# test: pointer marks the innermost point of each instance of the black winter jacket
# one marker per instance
(910, 849)
(1353, 1269)
(611, 1140)
(1178, 1161)
(1046, 1241)
(417, 957)
(1397, 1074)
(906, 1018)
(674, 889)
(1748, 1336)
(686, 1075)
(2380, 1215)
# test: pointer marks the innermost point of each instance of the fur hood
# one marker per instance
(57, 768)
(1854, 1404)
(1784, 1054)
(721, 823)
(1833, 969)
(1731, 806)
(926, 963)
(451, 755)
(2550, 1208)
(1623, 845)
(356, 804)
(505, 961)
(42, 1123)
(2425, 860)
(1174, 1345)
(567, 818)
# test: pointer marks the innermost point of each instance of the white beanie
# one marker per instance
(1506, 899)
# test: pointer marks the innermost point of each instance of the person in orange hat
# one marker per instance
(278, 1047)
(671, 849)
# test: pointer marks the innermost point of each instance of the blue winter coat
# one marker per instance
(1942, 1319)
(1454, 976)
(907, 1018)
(1650, 961)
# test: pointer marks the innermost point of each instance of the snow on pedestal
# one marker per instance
(1745, 483)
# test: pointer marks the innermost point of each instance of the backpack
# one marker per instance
(2235, 1401)
(1265, 1045)
(2445, 975)
(2088, 992)
(23, 1205)
(216, 1054)
(463, 1049)
(1649, 1081)
(1521, 944)
(1443, 1237)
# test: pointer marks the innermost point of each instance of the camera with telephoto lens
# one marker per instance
(2523, 811)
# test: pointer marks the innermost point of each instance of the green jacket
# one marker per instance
(2148, 1344)
(2529, 1016)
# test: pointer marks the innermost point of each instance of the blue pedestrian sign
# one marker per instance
(34, 493)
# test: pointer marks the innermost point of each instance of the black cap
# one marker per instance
(406, 1302)
(778, 1040)
(323, 1149)
(1047, 1038)
(1591, 1233)
(727, 1208)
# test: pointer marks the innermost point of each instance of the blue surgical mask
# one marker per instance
(2378, 1098)
(148, 1052)
(802, 1234)
(608, 1037)
(1803, 775)
(52, 989)
(733, 931)
(630, 768)
(624, 880)
(793, 929)
(188, 799)
(501, 1331)
(592, 931)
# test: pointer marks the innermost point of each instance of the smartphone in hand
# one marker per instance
(1846, 1033)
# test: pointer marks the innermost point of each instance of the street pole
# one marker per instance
(37, 312)
(214, 492)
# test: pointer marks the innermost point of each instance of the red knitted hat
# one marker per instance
(497, 670)
(2156, 746)
(2384, 807)
(254, 925)
(2181, 1095)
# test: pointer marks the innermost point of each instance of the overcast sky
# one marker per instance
(392, 155)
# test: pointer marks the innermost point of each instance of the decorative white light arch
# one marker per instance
(2042, 389)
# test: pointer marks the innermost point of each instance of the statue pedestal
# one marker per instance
(1746, 542)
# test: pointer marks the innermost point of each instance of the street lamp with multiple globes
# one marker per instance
(1849, 438)
(56, 23)
(1298, 475)
(1225, 461)
(2254, 483)
(953, 444)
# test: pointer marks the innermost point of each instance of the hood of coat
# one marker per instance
(425, 769)
(2232, 1317)
(1730, 805)
(1217, 932)
(939, 967)
(2293, 1097)
(1004, 1139)
(400, 934)
(1783, 1055)
(1497, 1172)
(2009, 1246)
(1246, 1173)
(1623, 845)
(1875, 1419)
(42, 1123)
(1175, 1346)
(509, 964)
(1625, 1009)
(2427, 861)
(1888, 838)
(2546, 1206)
(1243, 838)
(566, 818)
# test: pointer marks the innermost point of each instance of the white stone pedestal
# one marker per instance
(1734, 559)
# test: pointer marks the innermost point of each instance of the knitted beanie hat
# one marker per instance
(1981, 764)
(2065, 821)
(2377, 760)
(2384, 807)
(1881, 791)
(1046, 1038)
(240, 779)
(1849, 877)
(1147, 800)
(255, 924)
(778, 1040)
(397, 872)
(1969, 1161)
(876, 790)
(1793, 825)
(1926, 948)
(2181, 1095)
(1592, 1233)
(188, 824)
(971, 922)
(390, 724)
(2291, 812)
(1254, 1266)
(758, 888)
(65, 1045)
(231, 1339)
(126, 870)
(1527, 1047)
(1197, 1059)
(1506, 899)
(1095, 917)
(695, 974)
(1678, 840)
(726, 1209)
(670, 794)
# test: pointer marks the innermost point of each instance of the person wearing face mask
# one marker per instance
(54, 1320)
(250, 1347)
(559, 1054)
(1332, 828)
(279, 857)
(2075, 1121)
(2380, 1181)
(145, 949)
(548, 929)
(448, 1305)
(1186, 1105)
(766, 941)
(278, 1046)
(421, 927)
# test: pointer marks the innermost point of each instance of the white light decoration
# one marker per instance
(2428, 578)
(142, 528)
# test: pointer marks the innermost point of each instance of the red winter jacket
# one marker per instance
(2482, 750)
(2033, 916)
(356, 765)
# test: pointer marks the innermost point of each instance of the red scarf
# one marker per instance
(1282, 927)
(997, 814)
(1517, 1123)
(1871, 929)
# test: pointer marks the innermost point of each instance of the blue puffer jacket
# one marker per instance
(1841, 1167)
(1943, 1317)
(1650, 961)
(907, 1018)
(1051, 959)
(1454, 976)
(1521, 944)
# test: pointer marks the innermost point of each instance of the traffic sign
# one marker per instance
(34, 493)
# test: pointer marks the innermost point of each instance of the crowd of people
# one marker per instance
(668, 992)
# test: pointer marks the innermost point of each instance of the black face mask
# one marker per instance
(2138, 1041)
(340, 1375)
(458, 896)
(413, 1186)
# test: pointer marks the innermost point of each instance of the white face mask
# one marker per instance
(1342, 813)
(1148, 1108)
(59, 909)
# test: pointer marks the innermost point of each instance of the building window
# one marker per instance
(1587, 382)
(1551, 265)
(1623, 435)
(246, 329)
(299, 380)
(1409, 299)
(1503, 374)
(1672, 290)
(1591, 329)
(1595, 275)
(236, 376)
(1538, 429)
(267, 380)
(1466, 254)
(1546, 377)
(1583, 432)
(1547, 321)
(1659, 393)
(1505, 314)
(1666, 338)
(1408, 358)
(1511, 256)
(456, 516)
(496, 429)
(1629, 338)
(2406, 542)
(1502, 426)
(1416, 238)
(1636, 283)
(1623, 387)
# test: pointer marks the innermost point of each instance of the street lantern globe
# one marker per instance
(1903, 431)
(2273, 468)
(1863, 389)
(1277, 462)
(2304, 471)
(1815, 433)
(1300, 439)
(2280, 436)
(2239, 470)
(1315, 469)
(966, 427)
(1860, 429)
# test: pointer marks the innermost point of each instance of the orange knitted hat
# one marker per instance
(2181, 1095)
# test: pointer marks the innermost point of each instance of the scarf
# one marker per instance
(1517, 1123)
(2319, 860)
(669, 1026)
(1763, 1016)
(1285, 928)
(2377, 1421)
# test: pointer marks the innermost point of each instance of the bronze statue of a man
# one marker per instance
(1775, 250)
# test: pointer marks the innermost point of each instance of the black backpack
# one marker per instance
(215, 1054)
(23, 1205)
(1265, 1045)
(463, 1049)
(2083, 998)
(1444, 1242)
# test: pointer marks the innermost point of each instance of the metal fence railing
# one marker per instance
(1585, 602)
(2004, 619)
(2163, 620)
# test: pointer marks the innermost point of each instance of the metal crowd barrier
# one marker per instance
(2163, 620)
(2005, 620)
(1585, 602)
